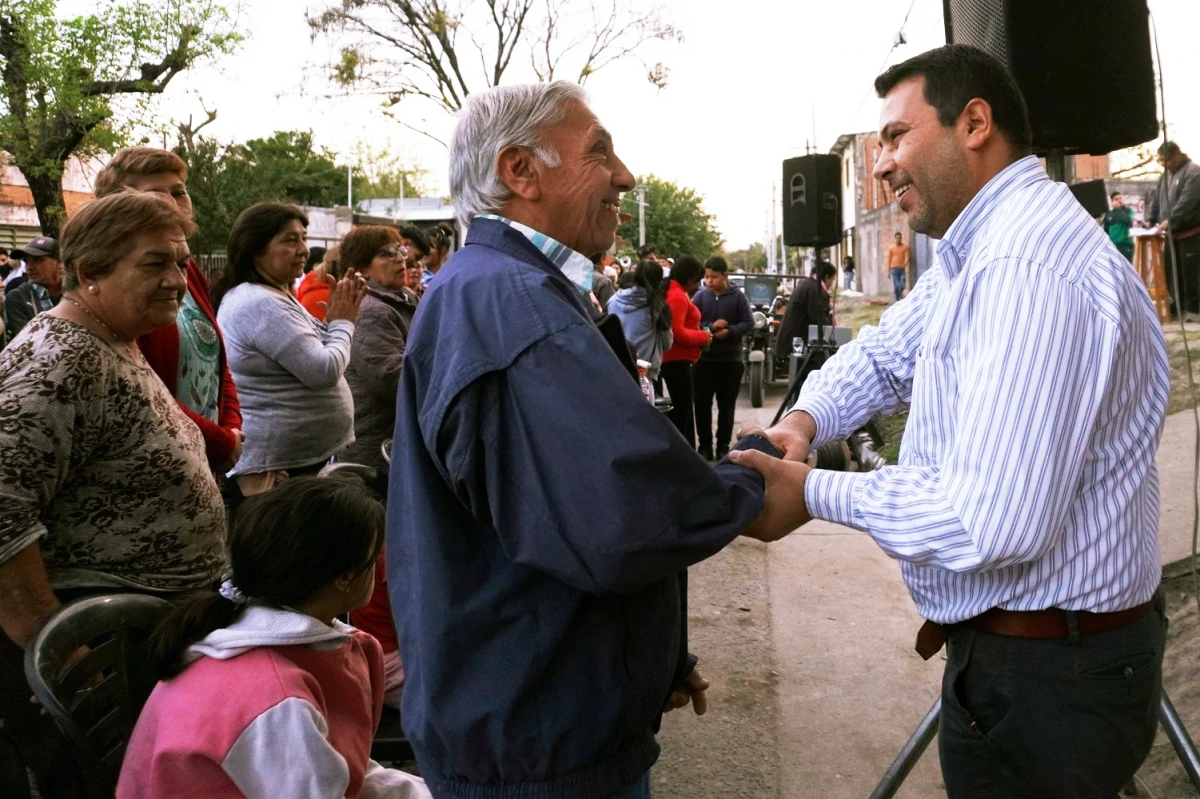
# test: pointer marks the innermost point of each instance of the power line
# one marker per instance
(899, 41)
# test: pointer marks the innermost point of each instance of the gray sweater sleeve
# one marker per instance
(283, 331)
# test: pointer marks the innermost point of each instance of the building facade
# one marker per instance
(18, 216)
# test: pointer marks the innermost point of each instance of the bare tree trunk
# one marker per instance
(48, 199)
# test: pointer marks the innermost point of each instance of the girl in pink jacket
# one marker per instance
(263, 692)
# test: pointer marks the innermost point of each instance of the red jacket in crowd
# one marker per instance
(685, 324)
(161, 348)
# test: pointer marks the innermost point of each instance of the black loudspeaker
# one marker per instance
(1083, 65)
(1092, 195)
(812, 201)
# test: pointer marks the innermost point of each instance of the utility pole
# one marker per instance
(641, 201)
(350, 187)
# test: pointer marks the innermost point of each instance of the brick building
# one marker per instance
(18, 217)
(872, 217)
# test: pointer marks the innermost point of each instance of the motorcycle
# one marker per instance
(759, 347)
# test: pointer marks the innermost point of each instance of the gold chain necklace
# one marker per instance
(129, 350)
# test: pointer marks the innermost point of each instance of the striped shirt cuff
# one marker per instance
(832, 496)
(824, 412)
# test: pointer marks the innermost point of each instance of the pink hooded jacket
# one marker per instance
(277, 704)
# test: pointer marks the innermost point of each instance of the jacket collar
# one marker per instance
(576, 267)
(955, 246)
(262, 625)
(391, 296)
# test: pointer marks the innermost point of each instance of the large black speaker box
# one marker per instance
(1083, 65)
(812, 201)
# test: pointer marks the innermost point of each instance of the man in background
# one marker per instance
(725, 310)
(1117, 223)
(1176, 206)
(808, 305)
(40, 292)
(897, 260)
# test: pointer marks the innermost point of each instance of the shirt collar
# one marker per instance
(955, 246)
(575, 267)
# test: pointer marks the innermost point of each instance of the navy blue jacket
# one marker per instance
(734, 307)
(534, 555)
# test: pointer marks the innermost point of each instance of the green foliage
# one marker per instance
(676, 222)
(225, 179)
(753, 259)
(70, 86)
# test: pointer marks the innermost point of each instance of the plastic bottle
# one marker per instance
(643, 368)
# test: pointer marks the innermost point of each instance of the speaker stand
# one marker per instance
(1177, 734)
(1059, 167)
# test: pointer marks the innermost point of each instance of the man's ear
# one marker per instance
(517, 168)
(976, 123)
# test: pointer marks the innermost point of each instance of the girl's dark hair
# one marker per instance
(649, 275)
(283, 547)
(315, 256)
(625, 279)
(686, 270)
(251, 233)
(439, 237)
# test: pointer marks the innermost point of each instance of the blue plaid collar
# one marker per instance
(575, 267)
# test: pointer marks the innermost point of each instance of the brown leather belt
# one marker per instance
(1051, 623)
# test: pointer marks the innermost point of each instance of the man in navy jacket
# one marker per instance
(535, 557)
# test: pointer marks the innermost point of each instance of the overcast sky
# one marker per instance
(742, 93)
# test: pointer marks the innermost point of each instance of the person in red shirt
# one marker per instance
(678, 362)
(189, 355)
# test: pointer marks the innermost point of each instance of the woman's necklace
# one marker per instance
(129, 349)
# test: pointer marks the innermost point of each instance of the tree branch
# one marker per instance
(155, 77)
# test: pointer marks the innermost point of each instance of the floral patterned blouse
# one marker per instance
(98, 462)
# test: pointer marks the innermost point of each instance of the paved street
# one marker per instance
(809, 645)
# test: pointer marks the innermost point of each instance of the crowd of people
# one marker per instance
(143, 411)
(523, 599)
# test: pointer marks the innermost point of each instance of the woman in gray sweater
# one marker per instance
(289, 368)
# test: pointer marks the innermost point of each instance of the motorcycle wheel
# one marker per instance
(756, 384)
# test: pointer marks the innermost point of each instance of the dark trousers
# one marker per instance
(720, 379)
(1188, 252)
(1052, 719)
(678, 377)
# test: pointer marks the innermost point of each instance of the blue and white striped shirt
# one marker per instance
(1036, 376)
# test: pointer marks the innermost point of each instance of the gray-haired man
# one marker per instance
(535, 557)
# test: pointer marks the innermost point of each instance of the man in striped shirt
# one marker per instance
(1024, 509)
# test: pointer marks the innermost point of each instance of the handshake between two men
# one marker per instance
(784, 505)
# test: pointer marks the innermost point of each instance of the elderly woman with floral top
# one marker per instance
(104, 482)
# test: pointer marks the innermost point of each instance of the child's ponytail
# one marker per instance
(191, 620)
(283, 546)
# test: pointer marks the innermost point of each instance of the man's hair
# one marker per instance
(132, 163)
(717, 264)
(645, 251)
(954, 75)
(504, 116)
(1114, 195)
(360, 246)
(898, 233)
(416, 236)
(1168, 149)
(824, 270)
(103, 231)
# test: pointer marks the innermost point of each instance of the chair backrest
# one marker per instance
(95, 698)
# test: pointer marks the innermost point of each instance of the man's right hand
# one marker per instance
(792, 436)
